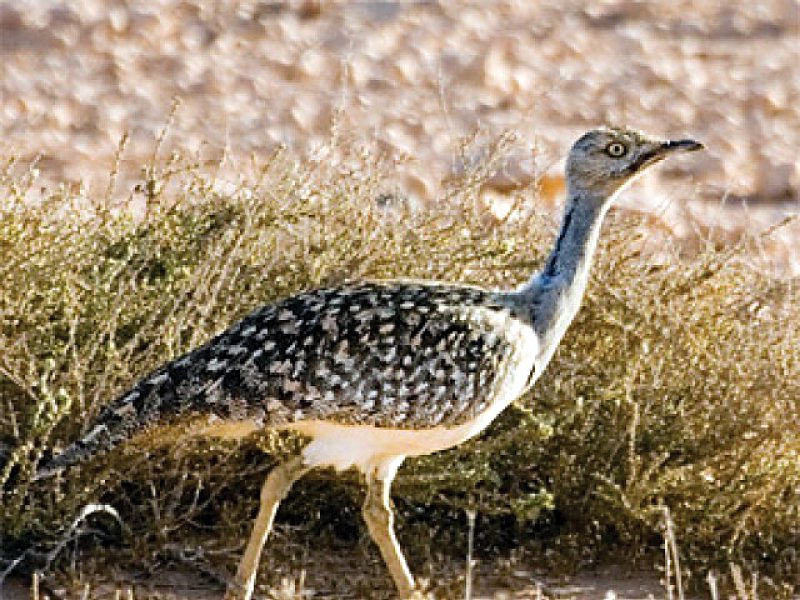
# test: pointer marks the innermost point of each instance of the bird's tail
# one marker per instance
(121, 420)
(175, 389)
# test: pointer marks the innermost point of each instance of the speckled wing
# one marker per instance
(394, 354)
(384, 354)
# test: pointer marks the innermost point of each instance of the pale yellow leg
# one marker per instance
(378, 514)
(277, 485)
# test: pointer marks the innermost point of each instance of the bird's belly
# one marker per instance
(345, 446)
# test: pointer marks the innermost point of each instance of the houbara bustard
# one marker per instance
(374, 372)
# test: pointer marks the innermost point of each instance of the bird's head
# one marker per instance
(603, 160)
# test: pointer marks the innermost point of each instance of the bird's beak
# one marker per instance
(681, 146)
(660, 151)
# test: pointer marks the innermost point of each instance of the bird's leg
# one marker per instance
(275, 488)
(378, 515)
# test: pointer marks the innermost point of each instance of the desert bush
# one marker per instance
(678, 386)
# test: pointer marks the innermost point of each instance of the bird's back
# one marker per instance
(399, 355)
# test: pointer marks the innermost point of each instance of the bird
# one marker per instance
(374, 372)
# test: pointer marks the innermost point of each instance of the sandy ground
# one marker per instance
(610, 583)
(413, 78)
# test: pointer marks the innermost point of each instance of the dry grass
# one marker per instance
(677, 391)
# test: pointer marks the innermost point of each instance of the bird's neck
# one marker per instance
(554, 294)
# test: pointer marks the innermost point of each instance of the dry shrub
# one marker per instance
(678, 385)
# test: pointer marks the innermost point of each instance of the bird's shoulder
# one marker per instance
(357, 320)
(379, 312)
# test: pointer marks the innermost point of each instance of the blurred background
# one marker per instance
(432, 86)
(415, 78)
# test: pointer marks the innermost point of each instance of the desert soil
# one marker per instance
(608, 583)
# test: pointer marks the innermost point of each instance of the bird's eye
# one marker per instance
(616, 149)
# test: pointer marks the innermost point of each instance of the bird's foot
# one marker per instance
(420, 591)
(237, 591)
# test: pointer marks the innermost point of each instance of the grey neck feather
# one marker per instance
(552, 297)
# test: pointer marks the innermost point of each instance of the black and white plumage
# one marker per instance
(375, 372)
(398, 355)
